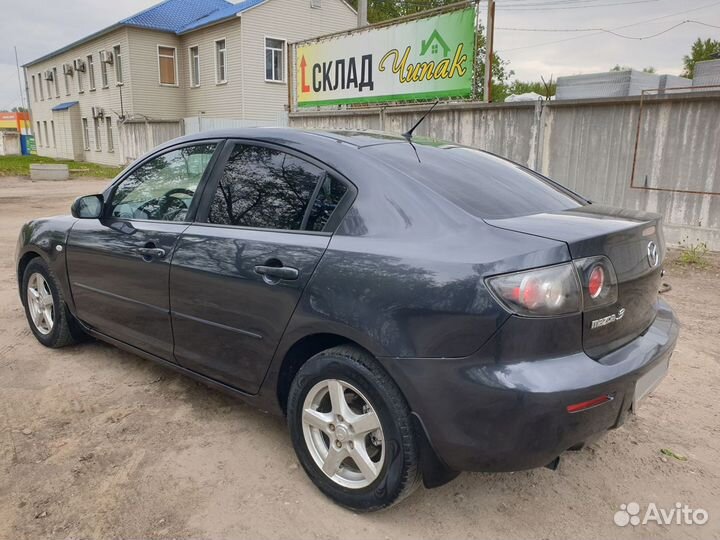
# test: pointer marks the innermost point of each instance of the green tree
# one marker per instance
(618, 67)
(546, 90)
(700, 51)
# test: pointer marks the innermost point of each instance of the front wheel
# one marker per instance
(351, 430)
(48, 316)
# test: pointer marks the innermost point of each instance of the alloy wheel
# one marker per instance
(343, 433)
(40, 303)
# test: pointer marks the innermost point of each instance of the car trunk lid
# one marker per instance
(630, 240)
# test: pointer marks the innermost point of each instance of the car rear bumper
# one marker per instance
(490, 413)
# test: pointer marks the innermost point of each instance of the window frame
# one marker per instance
(117, 64)
(56, 82)
(109, 134)
(190, 66)
(80, 84)
(98, 135)
(40, 82)
(175, 65)
(35, 92)
(86, 133)
(283, 53)
(203, 210)
(225, 62)
(199, 193)
(104, 80)
(90, 66)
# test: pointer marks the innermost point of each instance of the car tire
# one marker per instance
(56, 327)
(317, 431)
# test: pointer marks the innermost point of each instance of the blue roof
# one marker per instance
(176, 16)
(64, 106)
(216, 16)
(172, 15)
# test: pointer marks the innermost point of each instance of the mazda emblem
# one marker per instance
(652, 254)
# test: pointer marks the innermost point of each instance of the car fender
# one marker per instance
(46, 238)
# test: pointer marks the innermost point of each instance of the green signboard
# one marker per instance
(424, 58)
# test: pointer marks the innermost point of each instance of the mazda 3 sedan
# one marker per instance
(414, 308)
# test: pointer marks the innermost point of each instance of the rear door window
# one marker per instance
(265, 188)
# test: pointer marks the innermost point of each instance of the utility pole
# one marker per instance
(489, 38)
(362, 13)
(22, 93)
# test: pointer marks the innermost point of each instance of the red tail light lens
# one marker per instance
(542, 292)
(596, 281)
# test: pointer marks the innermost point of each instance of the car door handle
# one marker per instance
(277, 272)
(150, 252)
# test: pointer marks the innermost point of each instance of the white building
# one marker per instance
(116, 93)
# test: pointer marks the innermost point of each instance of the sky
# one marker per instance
(37, 27)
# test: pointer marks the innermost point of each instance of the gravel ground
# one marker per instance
(97, 443)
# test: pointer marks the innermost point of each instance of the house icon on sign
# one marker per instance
(434, 43)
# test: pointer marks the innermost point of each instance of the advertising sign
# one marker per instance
(420, 59)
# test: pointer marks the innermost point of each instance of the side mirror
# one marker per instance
(88, 207)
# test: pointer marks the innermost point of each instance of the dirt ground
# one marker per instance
(97, 443)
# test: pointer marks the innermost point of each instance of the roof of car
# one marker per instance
(356, 138)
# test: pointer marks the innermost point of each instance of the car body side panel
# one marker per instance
(42, 237)
(426, 300)
(227, 320)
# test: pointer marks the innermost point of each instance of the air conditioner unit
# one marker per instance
(48, 75)
(67, 69)
(79, 65)
(106, 57)
(97, 112)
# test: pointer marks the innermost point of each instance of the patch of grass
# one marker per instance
(20, 166)
(694, 255)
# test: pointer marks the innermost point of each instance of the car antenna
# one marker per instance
(409, 133)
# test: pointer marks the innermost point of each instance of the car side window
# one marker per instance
(264, 188)
(162, 188)
(326, 201)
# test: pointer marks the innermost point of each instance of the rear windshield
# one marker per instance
(483, 185)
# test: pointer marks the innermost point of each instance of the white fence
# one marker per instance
(198, 124)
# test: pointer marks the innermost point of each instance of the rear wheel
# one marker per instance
(351, 430)
(45, 308)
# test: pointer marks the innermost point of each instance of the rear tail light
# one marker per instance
(599, 282)
(581, 285)
(542, 292)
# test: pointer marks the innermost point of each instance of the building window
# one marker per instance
(108, 129)
(48, 81)
(66, 75)
(103, 71)
(166, 63)
(96, 125)
(220, 62)
(194, 55)
(86, 134)
(52, 128)
(315, 4)
(39, 133)
(91, 71)
(79, 74)
(118, 64)
(42, 92)
(56, 82)
(34, 89)
(274, 60)
(47, 138)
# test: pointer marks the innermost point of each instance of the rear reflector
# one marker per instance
(583, 405)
